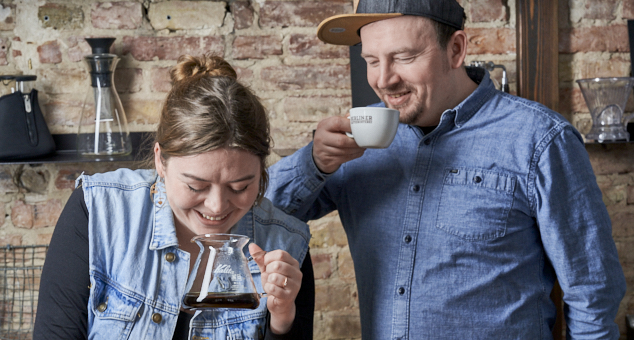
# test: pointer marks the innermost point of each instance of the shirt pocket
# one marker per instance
(475, 203)
(115, 312)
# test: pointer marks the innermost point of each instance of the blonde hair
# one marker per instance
(207, 108)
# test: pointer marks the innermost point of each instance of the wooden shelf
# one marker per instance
(66, 151)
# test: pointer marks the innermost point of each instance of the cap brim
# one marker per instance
(343, 29)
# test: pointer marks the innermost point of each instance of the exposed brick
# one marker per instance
(128, 80)
(563, 16)
(571, 100)
(59, 16)
(299, 14)
(622, 225)
(49, 53)
(66, 178)
(334, 296)
(183, 15)
(343, 325)
(309, 45)
(43, 238)
(6, 182)
(116, 15)
(15, 53)
(586, 39)
(38, 215)
(628, 10)
(615, 67)
(3, 52)
(62, 111)
(78, 48)
(14, 240)
(63, 80)
(242, 14)
(488, 10)
(161, 81)
(322, 265)
(46, 214)
(344, 264)
(327, 233)
(307, 77)
(256, 47)
(611, 158)
(170, 48)
(315, 108)
(601, 9)
(142, 111)
(491, 40)
(7, 17)
(245, 75)
(22, 215)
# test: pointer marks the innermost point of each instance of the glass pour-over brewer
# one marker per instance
(103, 130)
(606, 99)
(221, 277)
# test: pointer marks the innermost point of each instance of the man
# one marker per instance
(460, 227)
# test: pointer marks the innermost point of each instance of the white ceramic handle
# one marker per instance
(348, 133)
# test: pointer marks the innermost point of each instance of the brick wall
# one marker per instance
(301, 81)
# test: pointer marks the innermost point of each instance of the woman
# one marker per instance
(120, 256)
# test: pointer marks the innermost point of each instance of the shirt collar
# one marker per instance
(485, 90)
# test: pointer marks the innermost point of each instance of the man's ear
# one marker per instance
(457, 49)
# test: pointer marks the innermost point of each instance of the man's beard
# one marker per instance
(410, 117)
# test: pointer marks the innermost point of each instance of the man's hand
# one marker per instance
(331, 146)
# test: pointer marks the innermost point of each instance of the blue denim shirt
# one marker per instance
(139, 275)
(461, 233)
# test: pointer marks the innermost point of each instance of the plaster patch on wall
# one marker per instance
(5, 12)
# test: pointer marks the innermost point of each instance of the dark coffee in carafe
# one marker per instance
(222, 300)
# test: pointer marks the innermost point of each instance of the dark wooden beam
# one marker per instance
(538, 51)
(538, 78)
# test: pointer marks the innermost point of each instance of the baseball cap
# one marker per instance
(344, 29)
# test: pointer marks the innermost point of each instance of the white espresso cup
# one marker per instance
(373, 127)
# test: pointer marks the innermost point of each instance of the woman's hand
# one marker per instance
(281, 280)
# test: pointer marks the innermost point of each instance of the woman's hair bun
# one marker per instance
(207, 65)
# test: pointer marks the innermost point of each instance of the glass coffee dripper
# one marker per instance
(606, 99)
(221, 277)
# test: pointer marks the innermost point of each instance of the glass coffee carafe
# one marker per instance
(606, 99)
(221, 277)
(103, 130)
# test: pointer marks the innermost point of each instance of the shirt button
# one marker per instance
(415, 188)
(427, 141)
(401, 291)
(170, 257)
(408, 239)
(477, 179)
(102, 307)
(157, 318)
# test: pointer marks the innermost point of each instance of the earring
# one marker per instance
(152, 192)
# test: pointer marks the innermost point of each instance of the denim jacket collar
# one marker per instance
(163, 231)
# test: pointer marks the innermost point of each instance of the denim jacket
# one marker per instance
(139, 275)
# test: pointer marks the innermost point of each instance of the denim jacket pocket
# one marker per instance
(475, 203)
(114, 311)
